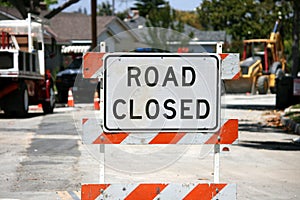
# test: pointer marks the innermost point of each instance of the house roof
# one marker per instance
(77, 26)
(10, 12)
(135, 22)
(204, 36)
(66, 27)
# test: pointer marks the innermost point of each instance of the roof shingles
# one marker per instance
(77, 26)
(68, 26)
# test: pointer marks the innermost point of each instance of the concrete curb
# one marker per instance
(290, 124)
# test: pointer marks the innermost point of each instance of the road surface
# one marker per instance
(42, 156)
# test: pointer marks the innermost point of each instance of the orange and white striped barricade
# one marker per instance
(160, 191)
(93, 65)
(93, 133)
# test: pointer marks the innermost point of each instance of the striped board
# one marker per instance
(92, 65)
(93, 134)
(159, 191)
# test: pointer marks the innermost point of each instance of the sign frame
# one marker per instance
(162, 55)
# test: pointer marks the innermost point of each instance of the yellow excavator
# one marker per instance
(262, 62)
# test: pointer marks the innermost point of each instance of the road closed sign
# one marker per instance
(161, 92)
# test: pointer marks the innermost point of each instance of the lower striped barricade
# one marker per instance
(159, 191)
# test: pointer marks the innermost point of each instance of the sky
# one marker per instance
(121, 5)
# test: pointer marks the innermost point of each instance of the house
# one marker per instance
(70, 33)
(76, 29)
(191, 40)
(74, 33)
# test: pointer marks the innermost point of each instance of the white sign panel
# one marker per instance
(161, 92)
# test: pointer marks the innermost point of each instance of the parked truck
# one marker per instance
(23, 78)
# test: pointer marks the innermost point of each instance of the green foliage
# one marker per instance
(5, 3)
(188, 17)
(146, 6)
(243, 19)
(163, 22)
(122, 15)
(288, 52)
(105, 9)
(50, 2)
(246, 19)
(159, 14)
(297, 106)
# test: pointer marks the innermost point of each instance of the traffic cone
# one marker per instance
(70, 98)
(96, 101)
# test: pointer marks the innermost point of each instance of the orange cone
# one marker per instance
(96, 101)
(70, 98)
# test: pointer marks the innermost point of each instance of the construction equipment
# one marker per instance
(262, 62)
(23, 78)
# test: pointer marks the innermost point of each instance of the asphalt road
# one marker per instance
(43, 157)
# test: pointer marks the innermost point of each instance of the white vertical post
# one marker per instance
(219, 47)
(217, 146)
(102, 146)
(102, 163)
(102, 47)
(217, 163)
(29, 33)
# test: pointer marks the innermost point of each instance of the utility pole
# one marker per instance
(94, 23)
(113, 7)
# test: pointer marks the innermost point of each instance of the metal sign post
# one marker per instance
(217, 146)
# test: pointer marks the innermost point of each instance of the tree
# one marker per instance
(159, 14)
(296, 34)
(247, 19)
(146, 6)
(122, 15)
(26, 6)
(188, 17)
(60, 8)
(50, 2)
(34, 6)
(105, 9)
(5, 3)
(242, 19)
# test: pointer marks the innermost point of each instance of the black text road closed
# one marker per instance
(161, 92)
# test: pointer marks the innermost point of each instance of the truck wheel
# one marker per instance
(262, 85)
(273, 90)
(278, 75)
(17, 103)
(25, 100)
(48, 106)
